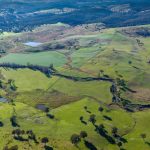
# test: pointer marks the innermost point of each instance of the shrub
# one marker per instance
(83, 134)
(75, 139)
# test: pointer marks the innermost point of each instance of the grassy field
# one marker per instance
(64, 125)
(110, 52)
(29, 83)
(43, 58)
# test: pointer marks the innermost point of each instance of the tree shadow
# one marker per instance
(89, 145)
(48, 147)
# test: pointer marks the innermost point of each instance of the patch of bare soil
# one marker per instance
(141, 94)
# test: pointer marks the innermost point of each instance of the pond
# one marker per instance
(41, 107)
(33, 44)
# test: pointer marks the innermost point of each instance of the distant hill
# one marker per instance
(20, 15)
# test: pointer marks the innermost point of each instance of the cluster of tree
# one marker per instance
(119, 140)
(113, 138)
(75, 138)
(116, 88)
(82, 120)
(32, 136)
(22, 135)
(119, 86)
(115, 92)
(92, 116)
(45, 140)
(105, 78)
(2, 51)
(145, 32)
(19, 135)
(103, 132)
(46, 70)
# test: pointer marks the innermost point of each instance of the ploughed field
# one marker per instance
(100, 84)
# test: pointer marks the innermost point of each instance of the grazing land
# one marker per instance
(96, 95)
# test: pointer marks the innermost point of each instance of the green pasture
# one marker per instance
(42, 58)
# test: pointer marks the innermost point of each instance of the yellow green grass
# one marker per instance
(65, 124)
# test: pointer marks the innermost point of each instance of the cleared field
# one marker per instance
(34, 87)
(28, 80)
(42, 58)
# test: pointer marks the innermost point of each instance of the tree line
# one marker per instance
(46, 70)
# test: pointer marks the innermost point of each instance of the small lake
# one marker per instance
(41, 107)
(33, 44)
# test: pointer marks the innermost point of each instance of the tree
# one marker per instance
(44, 140)
(143, 136)
(1, 84)
(14, 133)
(101, 126)
(1, 124)
(13, 120)
(81, 118)
(46, 110)
(83, 134)
(9, 81)
(130, 62)
(75, 139)
(31, 136)
(114, 131)
(29, 132)
(18, 132)
(22, 132)
(100, 109)
(119, 144)
(85, 107)
(92, 118)
(89, 145)
(102, 71)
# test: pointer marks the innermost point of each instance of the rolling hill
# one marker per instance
(74, 75)
(99, 87)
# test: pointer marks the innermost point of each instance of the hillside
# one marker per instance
(60, 80)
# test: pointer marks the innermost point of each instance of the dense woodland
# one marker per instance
(21, 15)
